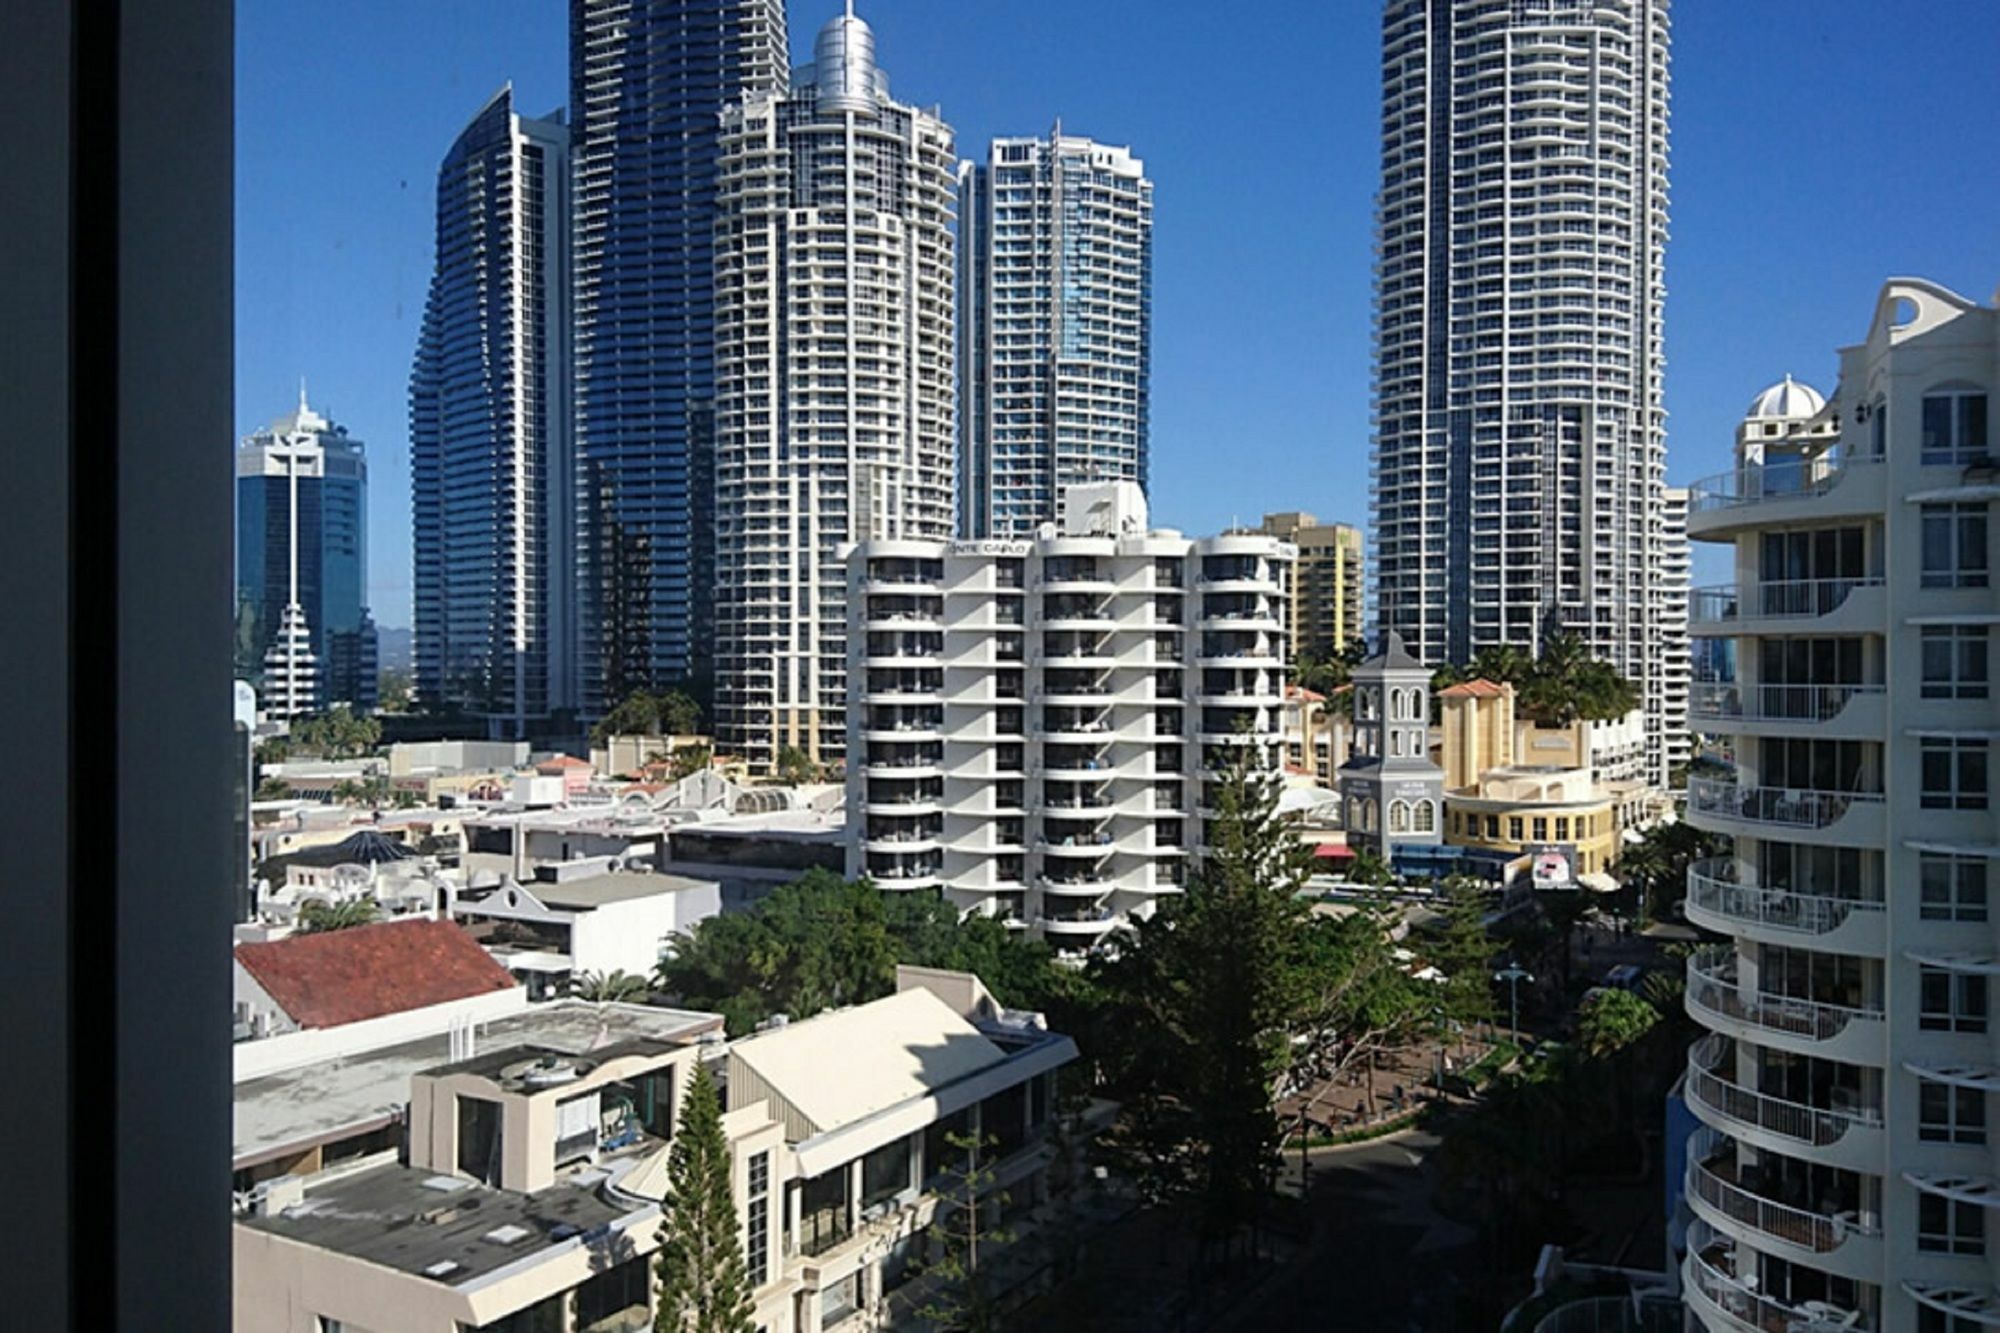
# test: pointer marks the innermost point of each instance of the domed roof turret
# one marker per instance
(1787, 400)
(844, 64)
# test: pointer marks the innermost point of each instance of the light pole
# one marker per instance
(1513, 976)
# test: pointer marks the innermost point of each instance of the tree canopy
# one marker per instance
(822, 942)
(336, 734)
(1564, 684)
(673, 713)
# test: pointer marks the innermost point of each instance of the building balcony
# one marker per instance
(1845, 1137)
(1832, 712)
(1788, 606)
(1834, 1237)
(1071, 883)
(1843, 818)
(1722, 1292)
(1100, 921)
(1828, 487)
(1073, 846)
(1724, 896)
(1807, 1027)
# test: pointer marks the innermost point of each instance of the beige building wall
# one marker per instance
(1326, 588)
(1479, 733)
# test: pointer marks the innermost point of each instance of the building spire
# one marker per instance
(302, 395)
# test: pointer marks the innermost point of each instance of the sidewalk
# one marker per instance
(1404, 1079)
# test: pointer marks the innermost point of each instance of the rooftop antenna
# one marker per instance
(302, 395)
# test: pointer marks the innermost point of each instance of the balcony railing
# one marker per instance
(1710, 1270)
(1755, 485)
(1712, 987)
(1721, 886)
(1773, 703)
(1809, 1125)
(1783, 807)
(1711, 1177)
(1771, 600)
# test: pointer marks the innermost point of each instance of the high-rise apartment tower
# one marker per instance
(1038, 724)
(1844, 1172)
(649, 80)
(490, 457)
(1520, 437)
(1055, 331)
(1326, 600)
(833, 350)
(303, 632)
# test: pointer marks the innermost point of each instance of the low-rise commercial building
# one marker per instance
(527, 1195)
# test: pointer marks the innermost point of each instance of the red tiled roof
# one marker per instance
(1301, 692)
(343, 976)
(1481, 688)
(562, 761)
(1333, 851)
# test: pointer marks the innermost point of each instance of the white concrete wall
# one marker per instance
(254, 1059)
(630, 934)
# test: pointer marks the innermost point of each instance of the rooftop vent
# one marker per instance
(547, 1072)
(441, 1268)
(508, 1235)
(446, 1184)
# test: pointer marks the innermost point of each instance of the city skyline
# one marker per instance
(1256, 357)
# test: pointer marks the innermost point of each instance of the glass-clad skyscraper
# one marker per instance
(490, 458)
(1055, 341)
(648, 83)
(833, 323)
(302, 546)
(1520, 432)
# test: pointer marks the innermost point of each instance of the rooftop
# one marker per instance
(333, 977)
(329, 1098)
(1481, 688)
(588, 892)
(841, 1067)
(416, 1222)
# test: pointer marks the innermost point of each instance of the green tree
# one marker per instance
(1368, 867)
(317, 916)
(817, 943)
(637, 715)
(617, 987)
(1611, 1019)
(793, 766)
(704, 1281)
(679, 714)
(1360, 999)
(337, 734)
(961, 1300)
(1461, 947)
(392, 690)
(274, 789)
(1206, 994)
(688, 760)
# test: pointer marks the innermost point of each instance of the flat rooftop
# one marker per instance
(588, 891)
(296, 1108)
(397, 1217)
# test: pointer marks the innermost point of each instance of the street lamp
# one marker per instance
(1513, 976)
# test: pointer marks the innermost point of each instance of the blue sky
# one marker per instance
(1819, 146)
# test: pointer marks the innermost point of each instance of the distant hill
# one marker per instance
(393, 647)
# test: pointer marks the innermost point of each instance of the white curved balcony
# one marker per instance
(1074, 847)
(1808, 1027)
(918, 841)
(1840, 1242)
(1833, 712)
(1845, 818)
(1724, 896)
(1099, 923)
(1788, 606)
(1727, 1301)
(1831, 486)
(1843, 1138)
(1978, 1305)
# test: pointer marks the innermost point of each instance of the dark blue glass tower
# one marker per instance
(648, 82)
(332, 487)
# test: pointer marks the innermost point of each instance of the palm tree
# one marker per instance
(619, 987)
(317, 916)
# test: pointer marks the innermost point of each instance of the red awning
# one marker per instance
(1333, 851)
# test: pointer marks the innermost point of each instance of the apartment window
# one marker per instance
(1541, 827)
(1955, 662)
(1426, 817)
(885, 1173)
(1954, 539)
(615, 1300)
(1954, 774)
(1492, 826)
(1513, 828)
(1954, 425)
(1949, 1114)
(757, 1219)
(1953, 888)
(1562, 828)
(1950, 1226)
(1950, 1001)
